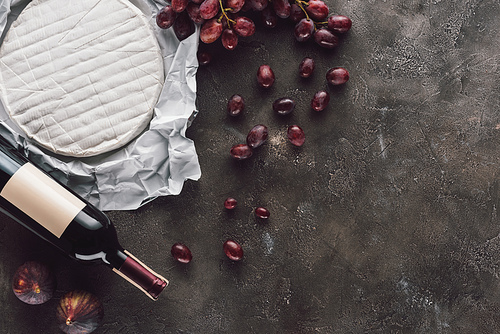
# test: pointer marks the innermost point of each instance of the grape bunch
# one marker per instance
(228, 20)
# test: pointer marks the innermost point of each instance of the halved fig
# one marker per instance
(33, 283)
(79, 312)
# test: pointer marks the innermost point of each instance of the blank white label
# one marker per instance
(42, 198)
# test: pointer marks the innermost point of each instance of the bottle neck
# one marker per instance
(137, 273)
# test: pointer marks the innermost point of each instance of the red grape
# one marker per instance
(337, 76)
(306, 67)
(320, 100)
(304, 30)
(229, 39)
(283, 105)
(296, 13)
(262, 213)
(179, 5)
(209, 8)
(230, 203)
(210, 31)
(339, 23)
(282, 8)
(233, 250)
(235, 5)
(296, 135)
(165, 17)
(269, 17)
(204, 58)
(181, 253)
(183, 26)
(326, 38)
(257, 136)
(193, 11)
(317, 10)
(235, 105)
(265, 76)
(244, 26)
(241, 151)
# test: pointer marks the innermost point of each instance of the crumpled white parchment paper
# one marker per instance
(159, 161)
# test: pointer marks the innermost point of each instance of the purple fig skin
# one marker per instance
(34, 283)
(79, 312)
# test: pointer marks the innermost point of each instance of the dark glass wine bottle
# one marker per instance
(61, 217)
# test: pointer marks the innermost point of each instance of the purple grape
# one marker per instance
(296, 135)
(229, 39)
(306, 67)
(337, 76)
(166, 17)
(339, 23)
(241, 151)
(265, 76)
(283, 105)
(326, 38)
(304, 30)
(235, 105)
(320, 100)
(257, 136)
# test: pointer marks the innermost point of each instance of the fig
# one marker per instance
(79, 312)
(33, 283)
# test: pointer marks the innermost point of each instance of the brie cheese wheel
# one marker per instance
(81, 77)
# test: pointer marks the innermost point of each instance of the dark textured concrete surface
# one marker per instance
(385, 221)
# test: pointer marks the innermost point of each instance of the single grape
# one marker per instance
(204, 58)
(210, 31)
(326, 38)
(181, 253)
(296, 13)
(235, 105)
(296, 135)
(268, 17)
(283, 105)
(282, 8)
(209, 8)
(317, 10)
(262, 213)
(265, 76)
(165, 18)
(306, 67)
(244, 26)
(183, 26)
(304, 30)
(339, 23)
(320, 100)
(233, 250)
(337, 76)
(235, 5)
(193, 10)
(241, 151)
(229, 39)
(230, 203)
(257, 136)
(179, 5)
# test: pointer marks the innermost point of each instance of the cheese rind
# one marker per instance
(81, 77)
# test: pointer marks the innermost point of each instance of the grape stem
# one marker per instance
(224, 15)
(301, 4)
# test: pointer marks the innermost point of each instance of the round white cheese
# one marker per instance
(81, 77)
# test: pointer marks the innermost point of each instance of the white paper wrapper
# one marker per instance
(156, 163)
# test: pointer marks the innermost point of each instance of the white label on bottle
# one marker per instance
(42, 199)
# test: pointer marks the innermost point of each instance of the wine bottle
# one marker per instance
(60, 216)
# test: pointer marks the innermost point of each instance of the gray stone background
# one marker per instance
(385, 221)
